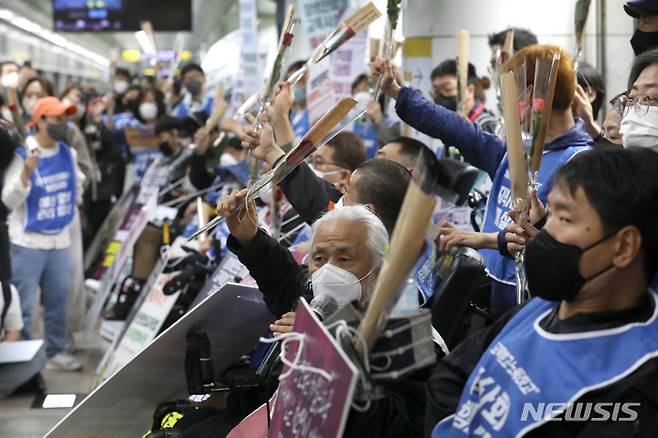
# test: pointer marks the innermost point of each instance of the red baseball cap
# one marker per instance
(51, 106)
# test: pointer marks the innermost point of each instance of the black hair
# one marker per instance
(192, 123)
(640, 62)
(449, 67)
(9, 141)
(409, 147)
(522, 38)
(362, 77)
(235, 143)
(159, 102)
(190, 66)
(588, 76)
(383, 183)
(627, 195)
(70, 87)
(120, 107)
(348, 150)
(294, 67)
(119, 71)
(167, 123)
(45, 84)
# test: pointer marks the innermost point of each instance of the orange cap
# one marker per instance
(51, 106)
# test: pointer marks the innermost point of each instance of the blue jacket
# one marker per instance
(488, 153)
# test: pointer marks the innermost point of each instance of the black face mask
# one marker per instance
(194, 87)
(448, 102)
(643, 41)
(166, 148)
(552, 267)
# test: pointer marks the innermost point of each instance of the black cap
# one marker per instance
(641, 8)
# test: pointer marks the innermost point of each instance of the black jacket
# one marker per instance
(308, 194)
(200, 176)
(445, 386)
(281, 280)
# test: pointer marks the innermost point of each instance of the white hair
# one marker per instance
(377, 234)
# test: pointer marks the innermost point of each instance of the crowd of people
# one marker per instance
(588, 335)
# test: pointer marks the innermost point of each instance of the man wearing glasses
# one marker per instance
(639, 125)
(632, 118)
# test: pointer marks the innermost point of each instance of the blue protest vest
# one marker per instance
(300, 122)
(143, 160)
(223, 174)
(123, 120)
(50, 206)
(526, 368)
(368, 135)
(182, 111)
(499, 203)
(424, 274)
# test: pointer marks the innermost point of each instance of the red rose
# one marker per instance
(537, 105)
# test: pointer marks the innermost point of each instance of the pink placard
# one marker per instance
(309, 405)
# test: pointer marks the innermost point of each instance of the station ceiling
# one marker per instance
(211, 19)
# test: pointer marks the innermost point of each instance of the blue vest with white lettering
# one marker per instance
(424, 274)
(51, 203)
(182, 110)
(368, 135)
(500, 202)
(300, 122)
(528, 375)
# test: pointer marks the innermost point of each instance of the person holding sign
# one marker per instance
(566, 137)
(42, 187)
(347, 250)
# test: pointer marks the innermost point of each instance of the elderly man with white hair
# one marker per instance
(347, 249)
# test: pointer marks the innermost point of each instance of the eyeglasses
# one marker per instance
(640, 104)
(618, 103)
(316, 161)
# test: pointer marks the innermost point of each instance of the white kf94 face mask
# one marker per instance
(321, 174)
(338, 283)
(640, 130)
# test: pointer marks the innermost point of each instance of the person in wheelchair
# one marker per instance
(587, 342)
(347, 249)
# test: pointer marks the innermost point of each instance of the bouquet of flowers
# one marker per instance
(265, 95)
(517, 169)
(524, 102)
(462, 70)
(407, 241)
(345, 30)
(332, 123)
(546, 69)
(393, 15)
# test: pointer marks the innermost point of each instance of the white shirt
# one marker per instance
(15, 194)
(14, 319)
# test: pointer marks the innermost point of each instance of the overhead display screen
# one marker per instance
(121, 15)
